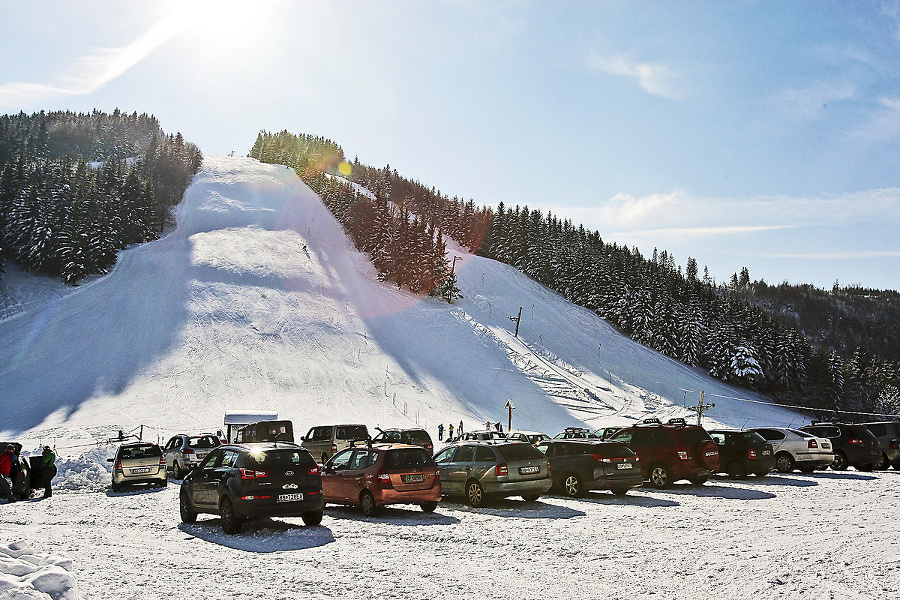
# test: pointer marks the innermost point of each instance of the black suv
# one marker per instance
(244, 481)
(743, 452)
(671, 452)
(852, 444)
(888, 435)
(581, 465)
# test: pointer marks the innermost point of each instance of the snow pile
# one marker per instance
(26, 574)
(88, 472)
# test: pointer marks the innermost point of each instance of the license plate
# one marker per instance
(414, 478)
(290, 498)
(140, 470)
(529, 470)
(625, 466)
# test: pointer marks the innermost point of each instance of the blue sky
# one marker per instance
(741, 133)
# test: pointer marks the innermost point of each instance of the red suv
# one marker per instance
(672, 451)
(378, 474)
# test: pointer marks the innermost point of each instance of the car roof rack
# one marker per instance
(368, 442)
(677, 421)
(651, 421)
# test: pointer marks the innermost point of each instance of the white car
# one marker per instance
(795, 449)
(529, 437)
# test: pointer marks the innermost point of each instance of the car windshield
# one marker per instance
(272, 459)
(140, 451)
(407, 457)
(519, 452)
(205, 441)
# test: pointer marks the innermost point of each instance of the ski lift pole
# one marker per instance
(510, 407)
(517, 320)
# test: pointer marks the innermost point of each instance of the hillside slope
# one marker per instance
(256, 300)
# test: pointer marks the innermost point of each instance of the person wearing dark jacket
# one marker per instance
(48, 470)
(6, 458)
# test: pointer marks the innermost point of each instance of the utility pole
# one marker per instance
(701, 408)
(517, 320)
(453, 266)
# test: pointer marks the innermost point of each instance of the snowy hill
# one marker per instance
(256, 300)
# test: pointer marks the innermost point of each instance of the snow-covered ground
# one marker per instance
(257, 301)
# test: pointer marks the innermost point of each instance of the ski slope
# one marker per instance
(256, 300)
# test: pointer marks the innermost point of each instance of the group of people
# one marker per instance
(449, 431)
(10, 467)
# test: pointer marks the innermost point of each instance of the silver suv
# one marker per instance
(325, 440)
(184, 451)
(479, 470)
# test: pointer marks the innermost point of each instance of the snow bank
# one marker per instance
(26, 574)
(88, 472)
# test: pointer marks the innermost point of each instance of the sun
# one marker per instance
(232, 26)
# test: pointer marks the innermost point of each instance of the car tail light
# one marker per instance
(118, 466)
(751, 454)
(855, 441)
(162, 461)
(252, 474)
(437, 475)
(812, 444)
(255, 497)
(895, 445)
(313, 470)
(501, 470)
(683, 455)
(384, 479)
(187, 451)
(333, 448)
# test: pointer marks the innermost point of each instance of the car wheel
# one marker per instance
(428, 506)
(572, 485)
(620, 491)
(840, 461)
(736, 469)
(368, 504)
(884, 463)
(177, 471)
(312, 518)
(660, 476)
(531, 497)
(188, 514)
(475, 494)
(116, 487)
(230, 522)
(784, 462)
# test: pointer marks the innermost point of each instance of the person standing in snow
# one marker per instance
(460, 430)
(450, 433)
(441, 432)
(6, 459)
(48, 470)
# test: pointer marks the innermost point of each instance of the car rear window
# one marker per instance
(140, 451)
(861, 432)
(352, 432)
(611, 450)
(753, 437)
(417, 437)
(271, 459)
(397, 459)
(519, 451)
(694, 435)
(206, 441)
(879, 429)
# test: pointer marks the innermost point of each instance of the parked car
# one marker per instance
(671, 452)
(138, 462)
(378, 474)
(529, 437)
(246, 481)
(581, 465)
(412, 437)
(481, 470)
(572, 433)
(265, 431)
(20, 472)
(852, 444)
(325, 440)
(604, 433)
(486, 435)
(796, 449)
(183, 451)
(743, 453)
(888, 435)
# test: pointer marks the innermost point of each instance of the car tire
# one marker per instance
(884, 463)
(428, 506)
(115, 487)
(736, 469)
(368, 504)
(177, 472)
(188, 514)
(475, 494)
(784, 462)
(231, 524)
(572, 486)
(531, 497)
(660, 476)
(840, 461)
(312, 518)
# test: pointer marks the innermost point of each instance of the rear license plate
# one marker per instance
(625, 466)
(290, 498)
(413, 478)
(529, 470)
(140, 470)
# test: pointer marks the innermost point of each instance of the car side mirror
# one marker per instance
(110, 460)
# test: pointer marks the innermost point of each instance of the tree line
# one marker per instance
(735, 334)
(76, 188)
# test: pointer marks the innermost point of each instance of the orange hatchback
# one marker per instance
(379, 474)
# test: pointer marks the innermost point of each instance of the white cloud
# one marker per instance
(654, 78)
